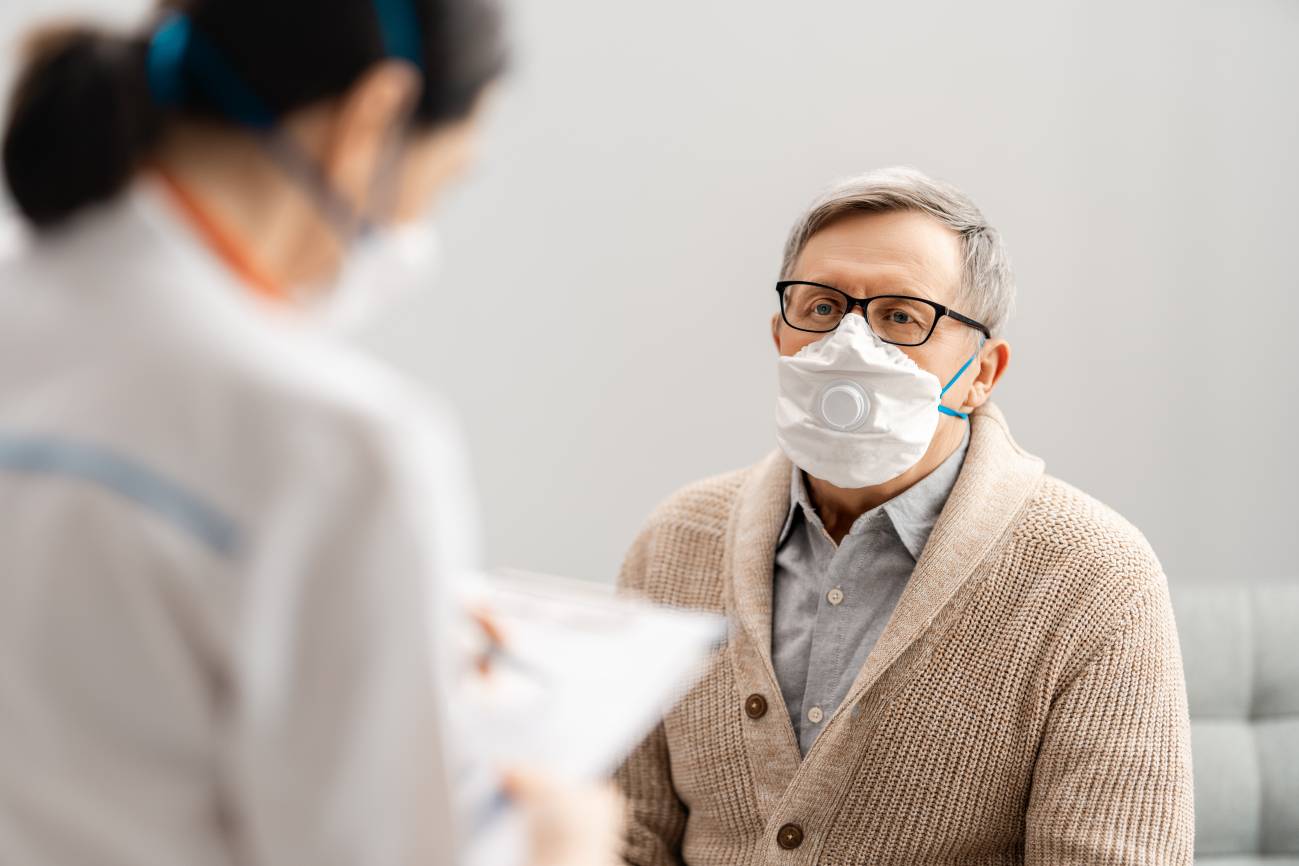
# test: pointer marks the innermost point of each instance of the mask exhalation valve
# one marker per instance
(844, 405)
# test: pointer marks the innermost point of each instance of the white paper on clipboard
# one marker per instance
(582, 675)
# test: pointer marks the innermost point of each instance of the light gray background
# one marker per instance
(602, 318)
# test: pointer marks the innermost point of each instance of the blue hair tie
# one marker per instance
(181, 56)
(165, 61)
(399, 29)
(177, 48)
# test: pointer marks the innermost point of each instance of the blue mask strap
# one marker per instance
(964, 416)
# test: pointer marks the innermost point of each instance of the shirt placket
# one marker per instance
(837, 605)
(830, 632)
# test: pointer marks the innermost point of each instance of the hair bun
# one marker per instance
(81, 120)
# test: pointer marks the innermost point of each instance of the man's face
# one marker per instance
(892, 253)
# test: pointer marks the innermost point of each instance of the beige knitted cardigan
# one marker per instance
(1024, 704)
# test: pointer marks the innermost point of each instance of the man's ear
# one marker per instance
(775, 330)
(369, 114)
(994, 358)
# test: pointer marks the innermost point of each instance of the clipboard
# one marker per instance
(563, 677)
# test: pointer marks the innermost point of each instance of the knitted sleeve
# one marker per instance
(656, 818)
(1112, 782)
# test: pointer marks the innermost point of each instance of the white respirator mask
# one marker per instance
(856, 411)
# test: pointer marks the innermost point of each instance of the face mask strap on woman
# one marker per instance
(381, 260)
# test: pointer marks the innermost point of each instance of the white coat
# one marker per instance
(223, 539)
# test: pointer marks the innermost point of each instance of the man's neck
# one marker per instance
(839, 507)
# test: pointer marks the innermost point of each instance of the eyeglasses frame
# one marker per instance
(941, 310)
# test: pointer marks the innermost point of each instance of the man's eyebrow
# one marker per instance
(912, 288)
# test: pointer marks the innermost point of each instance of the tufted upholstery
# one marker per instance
(1240, 644)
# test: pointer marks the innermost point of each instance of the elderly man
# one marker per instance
(939, 654)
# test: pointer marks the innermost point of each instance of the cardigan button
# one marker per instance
(789, 837)
(756, 706)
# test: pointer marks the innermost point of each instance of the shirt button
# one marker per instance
(834, 596)
(789, 837)
(755, 707)
(815, 715)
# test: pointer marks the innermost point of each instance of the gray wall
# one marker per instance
(602, 320)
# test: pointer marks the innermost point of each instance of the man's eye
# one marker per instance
(823, 309)
(900, 317)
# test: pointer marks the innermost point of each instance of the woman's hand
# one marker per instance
(570, 824)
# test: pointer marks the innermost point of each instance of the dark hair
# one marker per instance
(83, 117)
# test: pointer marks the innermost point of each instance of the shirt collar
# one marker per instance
(913, 512)
(798, 500)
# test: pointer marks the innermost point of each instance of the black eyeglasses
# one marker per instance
(898, 319)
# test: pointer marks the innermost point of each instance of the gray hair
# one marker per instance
(987, 292)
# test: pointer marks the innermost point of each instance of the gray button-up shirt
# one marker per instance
(830, 604)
